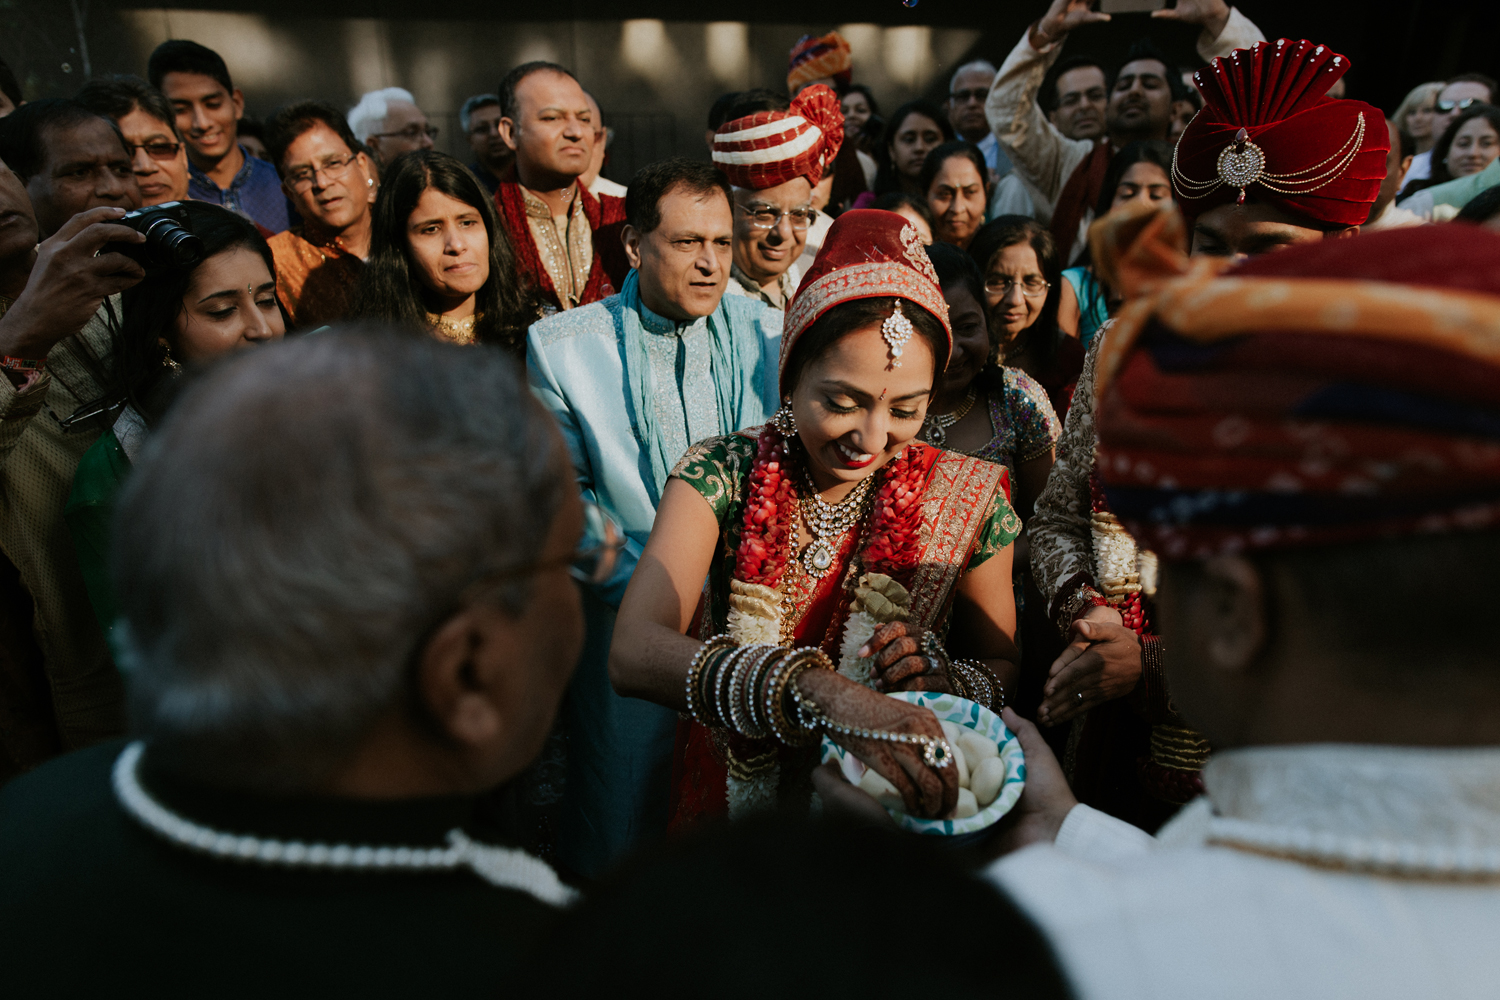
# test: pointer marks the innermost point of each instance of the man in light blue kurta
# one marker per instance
(633, 381)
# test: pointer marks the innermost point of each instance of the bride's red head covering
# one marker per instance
(867, 254)
(1268, 131)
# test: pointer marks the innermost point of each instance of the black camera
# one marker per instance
(170, 243)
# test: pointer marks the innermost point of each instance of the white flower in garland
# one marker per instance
(754, 614)
(754, 617)
(878, 599)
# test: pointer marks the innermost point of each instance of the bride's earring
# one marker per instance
(783, 421)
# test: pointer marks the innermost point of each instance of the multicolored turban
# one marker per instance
(1267, 130)
(1338, 391)
(768, 148)
(819, 59)
(867, 254)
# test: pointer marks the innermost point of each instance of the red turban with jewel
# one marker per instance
(1337, 391)
(769, 148)
(867, 254)
(1268, 131)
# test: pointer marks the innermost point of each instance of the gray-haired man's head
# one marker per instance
(350, 541)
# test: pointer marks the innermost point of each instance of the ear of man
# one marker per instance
(461, 677)
(631, 238)
(1233, 605)
(509, 133)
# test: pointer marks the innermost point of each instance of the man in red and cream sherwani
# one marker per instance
(566, 240)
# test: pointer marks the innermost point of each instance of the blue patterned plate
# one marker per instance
(962, 712)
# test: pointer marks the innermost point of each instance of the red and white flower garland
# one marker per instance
(891, 548)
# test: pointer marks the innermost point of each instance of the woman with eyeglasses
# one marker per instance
(1022, 291)
(146, 120)
(332, 184)
(440, 260)
(984, 408)
(174, 320)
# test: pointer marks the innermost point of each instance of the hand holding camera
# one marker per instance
(69, 280)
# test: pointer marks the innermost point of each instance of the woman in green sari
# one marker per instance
(176, 317)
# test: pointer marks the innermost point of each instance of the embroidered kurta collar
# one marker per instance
(656, 323)
(536, 208)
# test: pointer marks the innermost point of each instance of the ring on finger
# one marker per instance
(1080, 697)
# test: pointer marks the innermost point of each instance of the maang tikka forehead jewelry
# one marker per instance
(896, 330)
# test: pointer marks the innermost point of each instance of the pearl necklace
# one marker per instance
(827, 521)
(499, 866)
(935, 427)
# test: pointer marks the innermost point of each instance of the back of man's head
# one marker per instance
(368, 116)
(289, 122)
(117, 96)
(179, 55)
(654, 182)
(509, 107)
(24, 132)
(303, 520)
(1487, 82)
(1330, 479)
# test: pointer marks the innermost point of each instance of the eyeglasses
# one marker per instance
(1446, 106)
(962, 96)
(304, 177)
(412, 131)
(766, 217)
(155, 150)
(1031, 286)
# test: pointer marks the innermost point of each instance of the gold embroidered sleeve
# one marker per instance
(717, 468)
(1000, 529)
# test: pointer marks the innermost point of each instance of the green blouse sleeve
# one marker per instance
(717, 467)
(1000, 529)
(91, 504)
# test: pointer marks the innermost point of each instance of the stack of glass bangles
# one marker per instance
(752, 690)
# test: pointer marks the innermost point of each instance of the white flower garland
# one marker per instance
(755, 617)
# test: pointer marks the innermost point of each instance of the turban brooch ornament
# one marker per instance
(1241, 163)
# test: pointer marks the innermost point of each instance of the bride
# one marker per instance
(798, 571)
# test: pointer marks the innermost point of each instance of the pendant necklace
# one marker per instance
(827, 522)
(935, 427)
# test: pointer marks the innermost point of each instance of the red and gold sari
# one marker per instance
(966, 519)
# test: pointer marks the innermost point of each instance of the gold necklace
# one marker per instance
(458, 331)
(935, 427)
